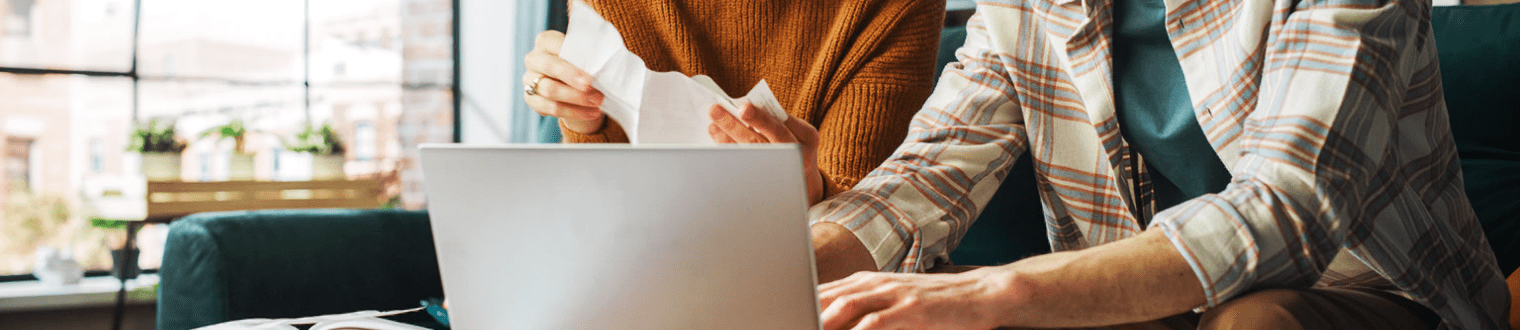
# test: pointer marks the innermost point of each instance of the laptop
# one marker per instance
(622, 237)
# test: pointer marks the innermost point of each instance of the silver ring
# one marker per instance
(532, 88)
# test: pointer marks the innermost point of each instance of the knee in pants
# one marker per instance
(1261, 310)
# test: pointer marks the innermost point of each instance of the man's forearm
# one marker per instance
(1137, 279)
(838, 253)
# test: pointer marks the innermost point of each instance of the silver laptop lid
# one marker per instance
(622, 237)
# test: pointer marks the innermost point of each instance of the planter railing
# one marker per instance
(172, 199)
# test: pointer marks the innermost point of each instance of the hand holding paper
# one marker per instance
(652, 107)
(557, 89)
(755, 126)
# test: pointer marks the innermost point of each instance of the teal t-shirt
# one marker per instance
(1154, 111)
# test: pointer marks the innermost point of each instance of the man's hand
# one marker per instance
(559, 89)
(871, 300)
(1136, 279)
(756, 126)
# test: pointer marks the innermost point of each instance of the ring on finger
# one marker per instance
(532, 88)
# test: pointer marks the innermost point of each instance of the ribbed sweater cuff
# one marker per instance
(611, 132)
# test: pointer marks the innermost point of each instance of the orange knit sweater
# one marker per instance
(856, 69)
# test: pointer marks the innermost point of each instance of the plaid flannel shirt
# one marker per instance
(1328, 113)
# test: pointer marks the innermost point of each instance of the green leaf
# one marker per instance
(107, 224)
(151, 137)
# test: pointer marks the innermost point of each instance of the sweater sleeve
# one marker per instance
(894, 73)
(611, 132)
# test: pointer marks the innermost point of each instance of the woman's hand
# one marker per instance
(556, 88)
(757, 126)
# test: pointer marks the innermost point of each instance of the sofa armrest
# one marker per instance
(226, 266)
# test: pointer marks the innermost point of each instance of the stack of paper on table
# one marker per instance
(652, 107)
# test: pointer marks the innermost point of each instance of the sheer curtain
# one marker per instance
(494, 36)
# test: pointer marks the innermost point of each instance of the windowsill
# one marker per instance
(96, 291)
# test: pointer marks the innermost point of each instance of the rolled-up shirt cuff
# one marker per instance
(1216, 242)
(861, 214)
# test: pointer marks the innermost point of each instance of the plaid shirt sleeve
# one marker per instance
(910, 211)
(1347, 140)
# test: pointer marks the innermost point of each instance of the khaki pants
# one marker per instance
(1312, 309)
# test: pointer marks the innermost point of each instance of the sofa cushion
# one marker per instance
(1011, 226)
(1479, 48)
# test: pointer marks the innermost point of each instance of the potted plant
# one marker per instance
(240, 165)
(160, 150)
(325, 148)
(123, 261)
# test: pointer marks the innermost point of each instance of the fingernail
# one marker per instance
(597, 98)
(748, 113)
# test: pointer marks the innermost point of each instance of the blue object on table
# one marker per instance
(435, 309)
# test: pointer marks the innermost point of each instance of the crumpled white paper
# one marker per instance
(652, 107)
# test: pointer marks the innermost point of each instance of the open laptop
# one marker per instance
(622, 237)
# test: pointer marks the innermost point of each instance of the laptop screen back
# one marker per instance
(621, 237)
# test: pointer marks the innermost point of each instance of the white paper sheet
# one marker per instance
(357, 320)
(652, 107)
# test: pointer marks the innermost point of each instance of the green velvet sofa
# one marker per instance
(274, 264)
(225, 266)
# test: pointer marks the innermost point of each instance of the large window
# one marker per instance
(76, 76)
